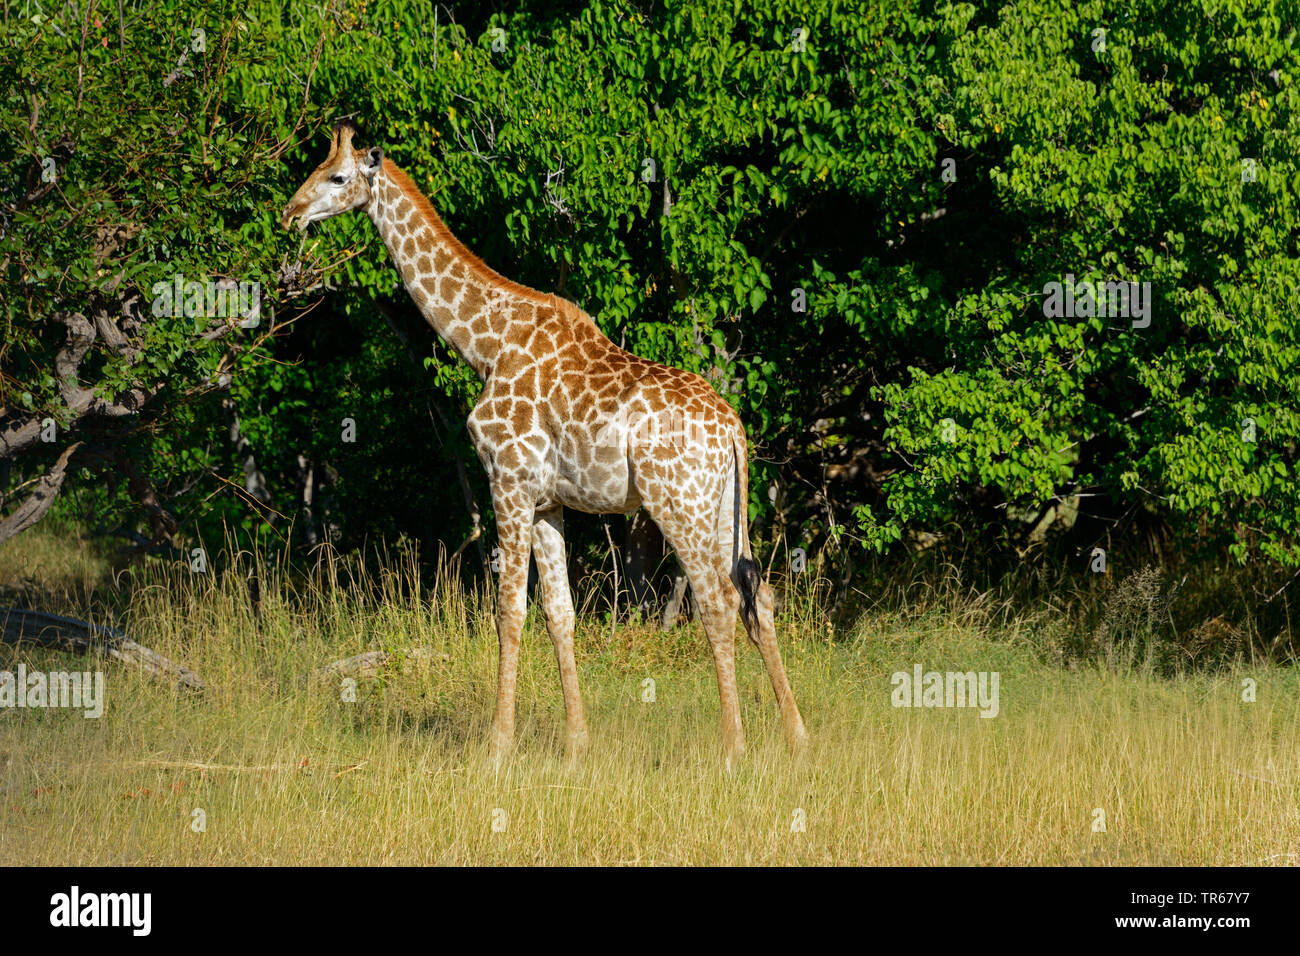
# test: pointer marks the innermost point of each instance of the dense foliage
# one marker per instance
(848, 215)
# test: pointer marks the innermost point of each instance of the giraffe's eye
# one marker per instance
(337, 179)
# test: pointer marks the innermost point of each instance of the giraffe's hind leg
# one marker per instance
(553, 579)
(692, 538)
(738, 571)
(761, 628)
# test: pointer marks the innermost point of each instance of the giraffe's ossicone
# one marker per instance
(568, 419)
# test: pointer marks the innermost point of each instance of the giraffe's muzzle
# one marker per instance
(293, 211)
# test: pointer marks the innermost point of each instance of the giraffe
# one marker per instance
(568, 419)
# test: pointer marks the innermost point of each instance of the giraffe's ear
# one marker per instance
(374, 159)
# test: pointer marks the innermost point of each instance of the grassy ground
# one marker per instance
(284, 771)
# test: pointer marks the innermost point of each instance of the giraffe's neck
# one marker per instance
(466, 302)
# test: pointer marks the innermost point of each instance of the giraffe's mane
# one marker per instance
(475, 264)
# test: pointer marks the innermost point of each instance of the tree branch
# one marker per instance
(36, 504)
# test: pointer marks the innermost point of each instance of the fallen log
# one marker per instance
(371, 664)
(18, 626)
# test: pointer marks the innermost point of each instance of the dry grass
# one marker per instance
(286, 772)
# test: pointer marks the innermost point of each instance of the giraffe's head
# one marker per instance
(341, 183)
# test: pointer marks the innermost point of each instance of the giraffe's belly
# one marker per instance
(592, 472)
(614, 495)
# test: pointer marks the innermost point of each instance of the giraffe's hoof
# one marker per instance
(578, 744)
(501, 745)
(734, 754)
(798, 740)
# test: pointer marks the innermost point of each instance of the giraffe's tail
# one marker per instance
(745, 572)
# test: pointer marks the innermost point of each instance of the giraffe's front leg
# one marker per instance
(514, 530)
(553, 577)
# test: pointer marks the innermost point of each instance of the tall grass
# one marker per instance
(284, 770)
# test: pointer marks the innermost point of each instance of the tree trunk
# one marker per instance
(307, 501)
(675, 602)
(642, 555)
(254, 480)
